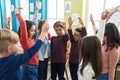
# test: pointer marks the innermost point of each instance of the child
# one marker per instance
(91, 63)
(74, 51)
(44, 52)
(110, 45)
(10, 62)
(27, 33)
(58, 51)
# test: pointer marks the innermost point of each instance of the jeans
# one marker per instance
(29, 72)
(103, 77)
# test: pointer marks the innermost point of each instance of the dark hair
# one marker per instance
(40, 24)
(90, 49)
(79, 30)
(29, 24)
(58, 24)
(113, 36)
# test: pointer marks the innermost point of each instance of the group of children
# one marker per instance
(91, 57)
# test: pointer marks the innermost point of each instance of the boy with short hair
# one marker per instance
(10, 62)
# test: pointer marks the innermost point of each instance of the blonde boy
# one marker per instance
(10, 62)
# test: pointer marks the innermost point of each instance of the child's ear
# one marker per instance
(8, 49)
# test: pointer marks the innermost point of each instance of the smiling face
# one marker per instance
(58, 30)
(31, 31)
(77, 36)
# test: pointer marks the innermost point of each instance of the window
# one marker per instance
(95, 7)
(8, 10)
(55, 13)
(25, 11)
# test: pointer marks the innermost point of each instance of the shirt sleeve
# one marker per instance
(70, 34)
(101, 30)
(84, 32)
(113, 59)
(23, 58)
(35, 20)
(115, 18)
(23, 32)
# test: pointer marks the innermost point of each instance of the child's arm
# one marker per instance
(23, 58)
(101, 30)
(23, 29)
(64, 27)
(36, 17)
(93, 24)
(113, 59)
(84, 32)
(7, 22)
(114, 15)
(70, 22)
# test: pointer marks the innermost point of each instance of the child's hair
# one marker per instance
(29, 24)
(40, 24)
(7, 37)
(79, 30)
(58, 24)
(90, 49)
(113, 36)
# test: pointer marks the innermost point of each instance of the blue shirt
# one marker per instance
(10, 66)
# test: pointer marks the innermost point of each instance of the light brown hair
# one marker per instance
(7, 37)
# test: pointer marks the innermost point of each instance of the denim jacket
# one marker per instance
(45, 45)
(42, 50)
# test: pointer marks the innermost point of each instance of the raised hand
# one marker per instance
(104, 15)
(16, 10)
(81, 22)
(7, 22)
(70, 21)
(45, 29)
(91, 19)
(38, 5)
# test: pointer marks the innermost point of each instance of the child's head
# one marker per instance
(40, 24)
(8, 41)
(90, 49)
(58, 27)
(77, 34)
(30, 28)
(111, 36)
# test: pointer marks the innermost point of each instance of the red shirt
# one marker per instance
(25, 41)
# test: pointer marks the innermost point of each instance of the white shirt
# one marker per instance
(88, 72)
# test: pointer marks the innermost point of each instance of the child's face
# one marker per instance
(77, 36)
(32, 31)
(58, 30)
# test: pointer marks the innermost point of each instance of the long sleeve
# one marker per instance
(115, 18)
(84, 32)
(35, 20)
(70, 34)
(23, 32)
(23, 58)
(101, 30)
(113, 59)
(95, 29)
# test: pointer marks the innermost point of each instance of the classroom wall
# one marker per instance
(77, 6)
